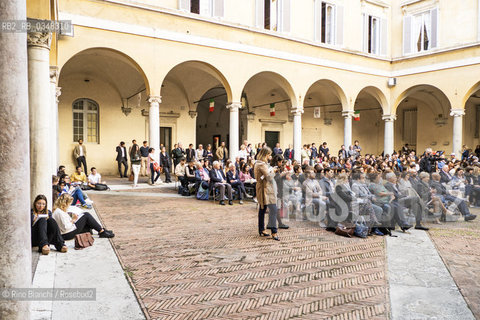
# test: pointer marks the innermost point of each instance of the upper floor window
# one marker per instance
(374, 35)
(209, 8)
(420, 31)
(328, 23)
(273, 15)
(85, 120)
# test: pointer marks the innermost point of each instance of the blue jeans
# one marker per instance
(78, 195)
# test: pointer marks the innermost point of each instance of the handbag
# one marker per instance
(156, 167)
(83, 240)
(345, 230)
(361, 228)
(130, 177)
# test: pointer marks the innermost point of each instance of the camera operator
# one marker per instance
(427, 163)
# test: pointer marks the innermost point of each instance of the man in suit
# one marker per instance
(190, 152)
(277, 149)
(122, 159)
(343, 153)
(177, 154)
(234, 180)
(218, 180)
(80, 153)
(289, 153)
(327, 183)
(445, 176)
(165, 164)
(222, 153)
(442, 192)
(412, 203)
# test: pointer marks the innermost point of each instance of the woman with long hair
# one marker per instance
(45, 230)
(71, 225)
(266, 193)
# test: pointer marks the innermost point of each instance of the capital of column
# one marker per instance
(192, 114)
(234, 106)
(154, 99)
(457, 112)
(389, 117)
(297, 111)
(348, 114)
(53, 74)
(39, 39)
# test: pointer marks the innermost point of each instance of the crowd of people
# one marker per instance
(384, 190)
(331, 188)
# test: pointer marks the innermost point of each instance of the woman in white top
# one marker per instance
(243, 153)
(153, 158)
(71, 225)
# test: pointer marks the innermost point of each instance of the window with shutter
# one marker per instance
(407, 35)
(434, 20)
(218, 8)
(259, 13)
(184, 5)
(339, 25)
(384, 36)
(285, 15)
(373, 34)
(325, 26)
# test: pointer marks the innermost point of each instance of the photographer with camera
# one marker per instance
(427, 163)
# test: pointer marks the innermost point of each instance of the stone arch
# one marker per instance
(333, 88)
(377, 94)
(109, 52)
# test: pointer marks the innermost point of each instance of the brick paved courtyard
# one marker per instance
(192, 259)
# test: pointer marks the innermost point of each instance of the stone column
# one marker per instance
(457, 131)
(347, 128)
(54, 94)
(388, 145)
(41, 125)
(16, 257)
(234, 129)
(297, 133)
(154, 123)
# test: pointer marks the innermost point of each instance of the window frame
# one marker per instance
(371, 49)
(85, 121)
(322, 24)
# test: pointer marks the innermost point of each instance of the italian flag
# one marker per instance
(356, 116)
(272, 109)
(211, 105)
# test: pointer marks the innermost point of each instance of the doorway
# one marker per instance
(166, 138)
(272, 138)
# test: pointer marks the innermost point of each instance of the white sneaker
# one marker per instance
(88, 201)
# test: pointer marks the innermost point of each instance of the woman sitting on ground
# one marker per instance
(45, 230)
(71, 225)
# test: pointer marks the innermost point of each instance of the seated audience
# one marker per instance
(218, 181)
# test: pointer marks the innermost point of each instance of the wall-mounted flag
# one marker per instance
(356, 116)
(211, 106)
(316, 113)
(272, 109)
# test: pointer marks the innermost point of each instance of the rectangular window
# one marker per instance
(373, 35)
(420, 31)
(328, 23)
(273, 15)
(85, 121)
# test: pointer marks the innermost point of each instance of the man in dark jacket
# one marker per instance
(289, 153)
(122, 159)
(218, 181)
(177, 154)
(165, 164)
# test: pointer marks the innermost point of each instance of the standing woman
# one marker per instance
(266, 193)
(136, 160)
(45, 230)
(209, 155)
(152, 158)
(165, 164)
